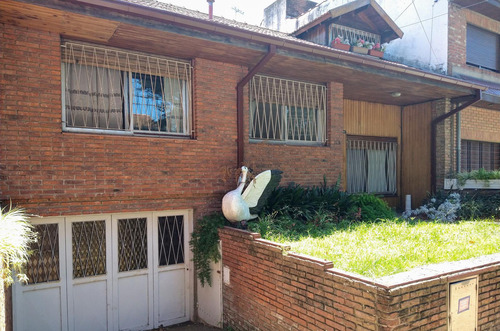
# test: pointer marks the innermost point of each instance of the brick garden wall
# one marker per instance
(269, 288)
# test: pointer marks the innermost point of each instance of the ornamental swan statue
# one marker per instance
(243, 205)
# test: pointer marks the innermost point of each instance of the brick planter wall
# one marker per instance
(269, 288)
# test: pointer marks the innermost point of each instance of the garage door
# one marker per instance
(107, 272)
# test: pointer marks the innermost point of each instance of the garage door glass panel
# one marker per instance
(43, 264)
(171, 240)
(89, 248)
(132, 244)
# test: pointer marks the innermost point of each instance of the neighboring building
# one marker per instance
(122, 122)
(457, 38)
(460, 38)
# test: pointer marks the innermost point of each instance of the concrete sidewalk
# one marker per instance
(188, 326)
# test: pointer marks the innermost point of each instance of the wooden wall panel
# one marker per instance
(378, 120)
(416, 152)
(372, 119)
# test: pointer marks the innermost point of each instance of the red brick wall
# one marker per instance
(270, 288)
(51, 172)
(489, 300)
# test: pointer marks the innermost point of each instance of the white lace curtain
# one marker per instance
(93, 97)
(371, 166)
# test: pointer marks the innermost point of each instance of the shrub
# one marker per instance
(369, 207)
(204, 244)
(446, 206)
(16, 235)
(478, 204)
(443, 207)
(306, 204)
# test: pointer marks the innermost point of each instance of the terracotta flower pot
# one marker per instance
(376, 53)
(344, 47)
(360, 50)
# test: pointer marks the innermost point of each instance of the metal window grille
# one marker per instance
(132, 244)
(43, 263)
(89, 248)
(371, 166)
(287, 110)
(478, 154)
(350, 34)
(171, 240)
(110, 89)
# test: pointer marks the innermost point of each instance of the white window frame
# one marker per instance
(128, 94)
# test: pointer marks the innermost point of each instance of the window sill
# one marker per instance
(124, 133)
(287, 143)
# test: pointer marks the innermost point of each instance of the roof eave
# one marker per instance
(213, 26)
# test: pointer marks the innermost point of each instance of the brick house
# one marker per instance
(122, 122)
(460, 134)
(459, 38)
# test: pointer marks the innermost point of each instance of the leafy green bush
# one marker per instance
(480, 174)
(369, 207)
(308, 204)
(204, 244)
(477, 204)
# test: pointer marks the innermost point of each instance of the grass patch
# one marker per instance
(376, 249)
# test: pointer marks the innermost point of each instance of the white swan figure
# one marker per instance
(242, 205)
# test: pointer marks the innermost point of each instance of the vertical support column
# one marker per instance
(445, 140)
(335, 129)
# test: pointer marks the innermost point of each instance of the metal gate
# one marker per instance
(107, 272)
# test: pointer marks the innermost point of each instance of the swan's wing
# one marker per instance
(260, 187)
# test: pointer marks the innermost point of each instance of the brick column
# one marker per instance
(445, 141)
(335, 128)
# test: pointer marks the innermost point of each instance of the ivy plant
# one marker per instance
(204, 244)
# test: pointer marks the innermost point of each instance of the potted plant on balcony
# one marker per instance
(377, 50)
(476, 179)
(341, 43)
(360, 46)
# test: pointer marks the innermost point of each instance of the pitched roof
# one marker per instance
(359, 14)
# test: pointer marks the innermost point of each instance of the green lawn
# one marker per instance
(388, 247)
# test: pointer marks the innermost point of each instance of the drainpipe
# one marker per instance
(459, 141)
(239, 102)
(434, 124)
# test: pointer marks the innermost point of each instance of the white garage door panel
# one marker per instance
(123, 271)
(42, 310)
(90, 307)
(172, 295)
(133, 302)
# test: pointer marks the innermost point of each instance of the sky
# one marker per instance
(249, 11)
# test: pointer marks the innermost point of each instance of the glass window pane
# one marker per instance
(93, 97)
(171, 240)
(89, 248)
(107, 88)
(371, 166)
(43, 263)
(283, 109)
(132, 244)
